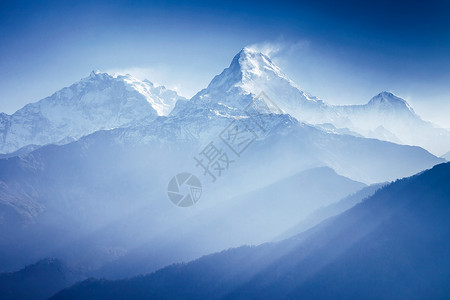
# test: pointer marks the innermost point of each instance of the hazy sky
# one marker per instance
(341, 52)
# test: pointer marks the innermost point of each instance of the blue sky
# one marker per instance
(342, 52)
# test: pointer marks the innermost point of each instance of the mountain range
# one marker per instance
(85, 172)
(393, 245)
(385, 116)
(102, 101)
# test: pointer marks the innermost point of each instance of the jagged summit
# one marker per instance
(249, 74)
(94, 73)
(247, 66)
(255, 63)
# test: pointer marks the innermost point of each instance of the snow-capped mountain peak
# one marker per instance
(97, 102)
(388, 101)
(249, 74)
(161, 99)
(248, 66)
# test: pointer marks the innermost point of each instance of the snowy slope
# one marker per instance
(100, 101)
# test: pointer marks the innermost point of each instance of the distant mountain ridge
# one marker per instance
(393, 245)
(38, 281)
(446, 156)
